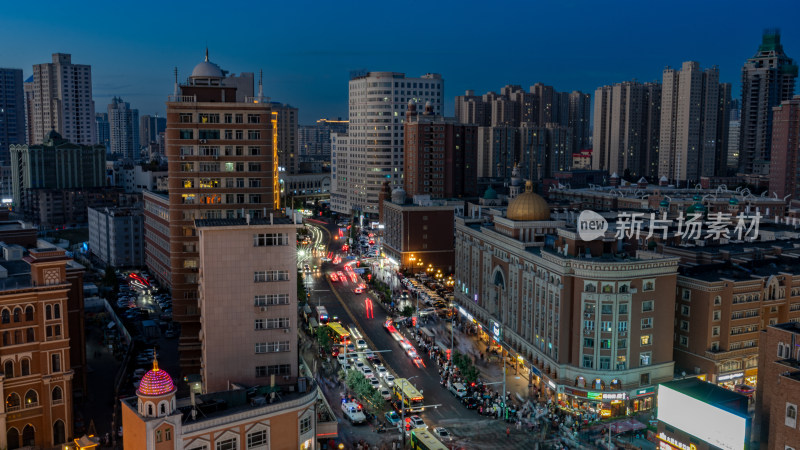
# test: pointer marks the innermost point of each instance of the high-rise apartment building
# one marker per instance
(62, 100)
(124, 129)
(627, 121)
(542, 106)
(151, 128)
(103, 130)
(12, 111)
(156, 236)
(439, 156)
(28, 92)
(288, 157)
(222, 165)
(784, 178)
(734, 134)
(374, 148)
(314, 141)
(767, 79)
(498, 151)
(694, 123)
(248, 301)
(543, 151)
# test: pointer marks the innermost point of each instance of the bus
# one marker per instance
(322, 315)
(409, 395)
(422, 439)
(338, 333)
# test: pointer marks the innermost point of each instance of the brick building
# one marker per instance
(775, 423)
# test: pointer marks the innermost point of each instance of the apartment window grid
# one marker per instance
(271, 347)
(279, 369)
(647, 323)
(257, 439)
(270, 275)
(270, 239)
(272, 323)
(271, 299)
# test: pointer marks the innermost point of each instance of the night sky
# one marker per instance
(307, 49)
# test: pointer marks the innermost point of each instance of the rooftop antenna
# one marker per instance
(260, 85)
(175, 93)
(206, 52)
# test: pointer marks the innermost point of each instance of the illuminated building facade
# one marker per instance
(593, 329)
(776, 425)
(221, 146)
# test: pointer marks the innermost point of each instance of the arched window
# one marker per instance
(28, 318)
(6, 316)
(17, 314)
(598, 384)
(623, 289)
(6, 338)
(580, 382)
(12, 402)
(48, 312)
(26, 366)
(608, 289)
(717, 300)
(58, 395)
(28, 435)
(55, 360)
(162, 409)
(591, 288)
(30, 335)
(12, 438)
(8, 369)
(149, 409)
(59, 434)
(57, 311)
(615, 385)
(31, 399)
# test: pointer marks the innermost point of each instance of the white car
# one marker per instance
(375, 383)
(442, 434)
(360, 365)
(368, 373)
(386, 394)
(361, 344)
(381, 371)
(389, 380)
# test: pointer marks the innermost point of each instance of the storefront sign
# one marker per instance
(536, 371)
(551, 384)
(644, 391)
(614, 396)
(594, 395)
(730, 376)
(496, 330)
(674, 443)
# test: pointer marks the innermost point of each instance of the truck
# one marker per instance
(353, 412)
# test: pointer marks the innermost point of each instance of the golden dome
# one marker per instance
(528, 206)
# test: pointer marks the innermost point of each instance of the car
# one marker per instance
(470, 402)
(358, 290)
(368, 373)
(361, 344)
(306, 268)
(393, 418)
(381, 371)
(411, 353)
(374, 383)
(389, 380)
(351, 348)
(360, 365)
(442, 434)
(414, 422)
(342, 360)
(342, 277)
(370, 355)
(386, 394)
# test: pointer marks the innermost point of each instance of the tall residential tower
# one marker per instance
(62, 101)
(12, 111)
(124, 129)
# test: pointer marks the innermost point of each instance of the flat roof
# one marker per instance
(276, 220)
(711, 394)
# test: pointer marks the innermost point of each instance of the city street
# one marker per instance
(469, 429)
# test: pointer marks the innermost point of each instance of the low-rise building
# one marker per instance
(418, 234)
(116, 235)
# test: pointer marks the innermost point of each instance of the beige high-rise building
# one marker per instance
(222, 165)
(694, 123)
(627, 121)
(248, 301)
(62, 101)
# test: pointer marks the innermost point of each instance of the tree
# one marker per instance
(372, 399)
(302, 295)
(466, 368)
(408, 311)
(323, 338)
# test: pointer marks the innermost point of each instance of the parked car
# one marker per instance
(393, 418)
(386, 394)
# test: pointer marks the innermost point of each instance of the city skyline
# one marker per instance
(304, 67)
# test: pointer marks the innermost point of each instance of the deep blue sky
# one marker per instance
(307, 49)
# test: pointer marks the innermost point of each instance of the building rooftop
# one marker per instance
(743, 271)
(276, 220)
(711, 394)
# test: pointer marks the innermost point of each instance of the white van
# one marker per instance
(458, 389)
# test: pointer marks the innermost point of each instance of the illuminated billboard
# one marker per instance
(702, 420)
